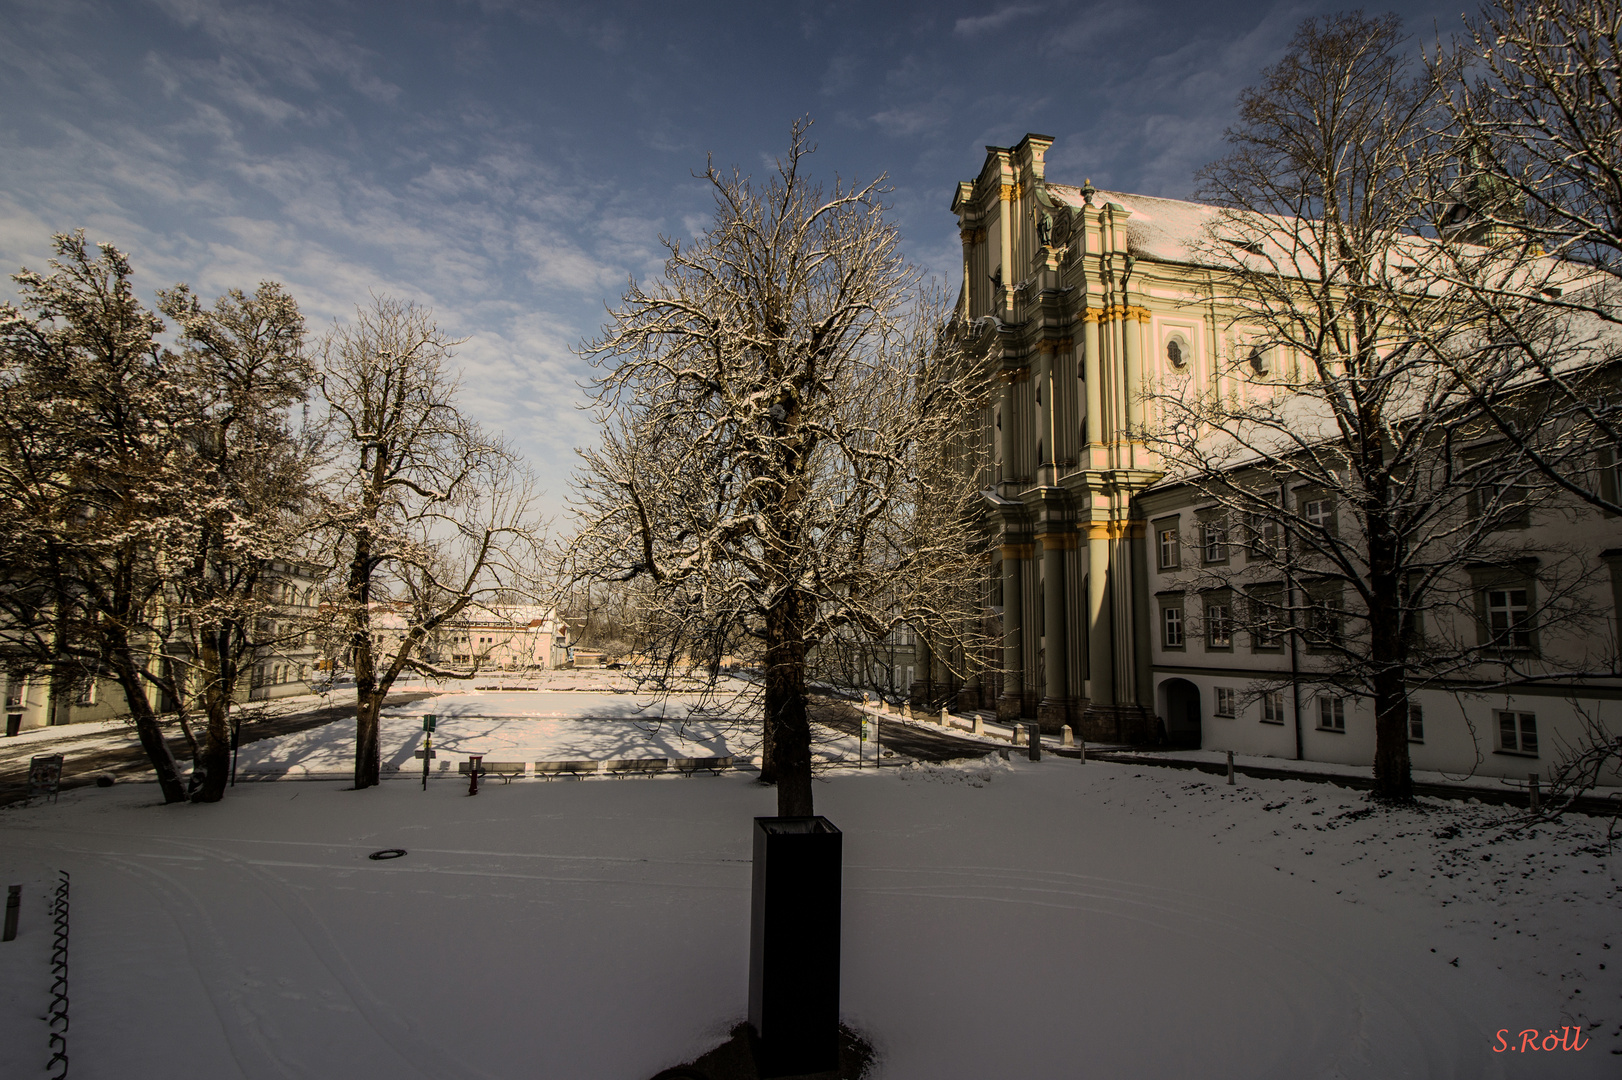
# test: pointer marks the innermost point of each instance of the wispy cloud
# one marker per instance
(996, 20)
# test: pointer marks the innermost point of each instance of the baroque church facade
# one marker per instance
(1074, 301)
(1084, 298)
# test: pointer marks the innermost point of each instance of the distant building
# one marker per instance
(499, 637)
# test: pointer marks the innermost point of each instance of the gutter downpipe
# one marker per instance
(1289, 588)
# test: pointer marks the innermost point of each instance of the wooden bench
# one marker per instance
(550, 769)
(687, 766)
(635, 766)
(507, 770)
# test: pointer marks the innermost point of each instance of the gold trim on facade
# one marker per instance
(1116, 530)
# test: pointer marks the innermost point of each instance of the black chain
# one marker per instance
(59, 982)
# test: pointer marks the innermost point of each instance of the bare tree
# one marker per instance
(1533, 231)
(1337, 449)
(96, 419)
(248, 477)
(777, 414)
(427, 515)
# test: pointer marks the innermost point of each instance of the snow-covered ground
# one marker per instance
(513, 726)
(1001, 919)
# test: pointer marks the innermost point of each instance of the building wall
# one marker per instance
(1083, 300)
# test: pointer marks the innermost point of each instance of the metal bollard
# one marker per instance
(474, 763)
(14, 899)
(1532, 791)
(1034, 734)
(1230, 766)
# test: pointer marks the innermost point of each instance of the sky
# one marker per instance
(511, 164)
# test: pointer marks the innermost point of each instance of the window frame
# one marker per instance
(1332, 712)
(1267, 628)
(1524, 725)
(1227, 702)
(1168, 609)
(1222, 603)
(1216, 548)
(1522, 637)
(1273, 707)
(1416, 723)
(1168, 543)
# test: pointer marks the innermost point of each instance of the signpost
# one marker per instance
(427, 751)
(44, 775)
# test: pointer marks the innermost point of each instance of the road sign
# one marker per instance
(429, 721)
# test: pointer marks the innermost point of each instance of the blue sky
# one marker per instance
(510, 163)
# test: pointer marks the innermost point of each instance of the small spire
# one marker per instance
(1088, 191)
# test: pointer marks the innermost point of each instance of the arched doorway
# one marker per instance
(1181, 712)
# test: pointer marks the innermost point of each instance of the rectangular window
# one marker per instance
(1218, 626)
(1319, 512)
(1323, 623)
(1509, 505)
(1265, 535)
(1518, 733)
(1168, 549)
(1171, 620)
(15, 696)
(1509, 623)
(1273, 707)
(1610, 474)
(1331, 713)
(1214, 540)
(1227, 701)
(1416, 723)
(84, 692)
(1266, 618)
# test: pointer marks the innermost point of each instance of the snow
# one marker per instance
(513, 726)
(1000, 919)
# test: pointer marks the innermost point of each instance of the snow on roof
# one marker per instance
(1168, 230)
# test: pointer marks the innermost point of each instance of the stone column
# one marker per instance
(1100, 631)
(1090, 373)
(1013, 629)
(1132, 331)
(1043, 417)
(1009, 445)
(1054, 711)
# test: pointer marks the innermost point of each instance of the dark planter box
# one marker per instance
(794, 945)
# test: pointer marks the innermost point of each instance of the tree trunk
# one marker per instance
(368, 751)
(213, 766)
(786, 720)
(146, 722)
(1393, 781)
(213, 762)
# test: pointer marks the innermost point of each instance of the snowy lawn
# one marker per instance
(589, 724)
(1001, 920)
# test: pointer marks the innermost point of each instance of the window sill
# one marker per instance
(1222, 716)
(1332, 730)
(1518, 753)
(1275, 723)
